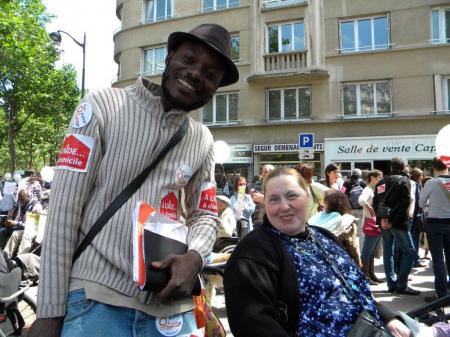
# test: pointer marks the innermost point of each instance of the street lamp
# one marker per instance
(56, 37)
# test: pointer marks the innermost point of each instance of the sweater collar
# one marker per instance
(145, 90)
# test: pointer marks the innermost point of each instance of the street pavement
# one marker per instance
(421, 279)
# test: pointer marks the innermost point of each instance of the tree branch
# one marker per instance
(20, 125)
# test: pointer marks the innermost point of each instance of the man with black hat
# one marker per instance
(114, 135)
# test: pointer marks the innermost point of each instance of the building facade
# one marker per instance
(369, 79)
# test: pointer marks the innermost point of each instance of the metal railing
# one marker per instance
(285, 61)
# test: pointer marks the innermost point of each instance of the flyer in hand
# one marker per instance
(155, 236)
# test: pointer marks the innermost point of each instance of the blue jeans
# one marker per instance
(368, 249)
(94, 319)
(405, 244)
(438, 235)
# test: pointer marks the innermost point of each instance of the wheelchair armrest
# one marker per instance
(23, 287)
(426, 308)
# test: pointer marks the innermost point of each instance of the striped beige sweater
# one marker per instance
(129, 128)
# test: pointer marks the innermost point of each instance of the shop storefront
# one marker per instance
(239, 163)
(285, 155)
(367, 153)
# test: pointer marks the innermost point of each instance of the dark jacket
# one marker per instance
(269, 306)
(398, 199)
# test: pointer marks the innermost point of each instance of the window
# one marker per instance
(289, 103)
(154, 60)
(158, 10)
(221, 109)
(371, 98)
(364, 34)
(440, 22)
(446, 93)
(286, 37)
(215, 5)
(235, 47)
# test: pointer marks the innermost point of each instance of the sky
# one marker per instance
(96, 18)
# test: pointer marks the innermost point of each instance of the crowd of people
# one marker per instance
(305, 254)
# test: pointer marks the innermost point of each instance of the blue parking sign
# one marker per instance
(306, 140)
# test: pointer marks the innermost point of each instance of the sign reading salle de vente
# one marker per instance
(380, 148)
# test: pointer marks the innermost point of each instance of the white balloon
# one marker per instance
(8, 176)
(221, 151)
(47, 173)
(443, 141)
(17, 177)
(443, 144)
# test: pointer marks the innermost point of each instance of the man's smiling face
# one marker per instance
(192, 75)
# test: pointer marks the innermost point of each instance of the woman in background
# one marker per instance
(243, 207)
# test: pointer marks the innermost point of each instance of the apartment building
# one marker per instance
(369, 79)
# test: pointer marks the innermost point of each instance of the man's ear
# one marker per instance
(169, 57)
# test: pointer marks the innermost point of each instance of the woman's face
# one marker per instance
(333, 176)
(286, 204)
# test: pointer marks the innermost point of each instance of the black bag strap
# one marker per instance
(128, 191)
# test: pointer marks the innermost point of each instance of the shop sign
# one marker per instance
(262, 148)
(380, 148)
(240, 154)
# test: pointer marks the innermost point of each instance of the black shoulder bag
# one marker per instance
(129, 191)
(365, 325)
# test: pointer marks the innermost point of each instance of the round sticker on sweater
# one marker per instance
(169, 326)
(183, 175)
(82, 116)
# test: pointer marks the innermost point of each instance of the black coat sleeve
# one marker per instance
(251, 298)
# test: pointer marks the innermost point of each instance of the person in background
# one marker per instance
(226, 215)
(337, 219)
(332, 172)
(279, 283)
(316, 191)
(372, 231)
(436, 195)
(394, 191)
(243, 207)
(257, 193)
(418, 225)
(353, 188)
(11, 234)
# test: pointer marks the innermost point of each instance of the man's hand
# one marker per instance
(46, 327)
(10, 223)
(385, 224)
(398, 329)
(183, 270)
(258, 197)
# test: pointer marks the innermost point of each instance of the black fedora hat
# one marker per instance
(217, 38)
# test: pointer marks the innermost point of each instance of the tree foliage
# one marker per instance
(36, 98)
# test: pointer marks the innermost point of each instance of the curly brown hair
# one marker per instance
(336, 201)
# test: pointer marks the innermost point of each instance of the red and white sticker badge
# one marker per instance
(169, 326)
(82, 115)
(169, 205)
(381, 189)
(75, 152)
(207, 200)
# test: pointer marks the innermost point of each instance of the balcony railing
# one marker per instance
(285, 61)
(266, 4)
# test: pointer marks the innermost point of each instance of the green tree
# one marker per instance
(36, 99)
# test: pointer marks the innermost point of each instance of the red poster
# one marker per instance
(75, 152)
